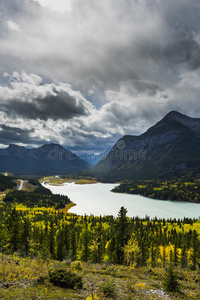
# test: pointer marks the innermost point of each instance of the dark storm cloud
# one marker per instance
(180, 25)
(102, 43)
(135, 60)
(59, 106)
(27, 98)
(15, 135)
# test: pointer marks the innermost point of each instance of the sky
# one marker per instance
(85, 73)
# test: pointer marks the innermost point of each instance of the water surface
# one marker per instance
(97, 199)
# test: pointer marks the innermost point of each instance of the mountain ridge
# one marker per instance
(47, 159)
(192, 123)
(169, 147)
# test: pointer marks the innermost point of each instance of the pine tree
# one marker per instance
(194, 246)
(183, 259)
(153, 255)
(112, 250)
(171, 256)
(144, 251)
(60, 240)
(25, 236)
(73, 244)
(52, 239)
(170, 281)
(175, 254)
(13, 226)
(121, 235)
(66, 239)
(85, 243)
(44, 244)
(122, 223)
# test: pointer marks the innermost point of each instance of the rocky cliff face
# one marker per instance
(172, 145)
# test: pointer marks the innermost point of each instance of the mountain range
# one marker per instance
(167, 149)
(49, 159)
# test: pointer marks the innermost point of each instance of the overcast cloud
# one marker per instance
(103, 69)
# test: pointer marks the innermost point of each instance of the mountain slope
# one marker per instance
(166, 149)
(49, 159)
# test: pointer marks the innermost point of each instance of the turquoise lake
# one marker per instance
(97, 199)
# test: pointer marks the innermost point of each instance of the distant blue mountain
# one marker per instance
(48, 159)
(92, 156)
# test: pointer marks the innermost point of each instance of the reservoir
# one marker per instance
(97, 199)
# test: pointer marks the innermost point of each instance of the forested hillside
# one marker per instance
(40, 197)
(44, 248)
(6, 183)
(122, 250)
(177, 190)
(122, 240)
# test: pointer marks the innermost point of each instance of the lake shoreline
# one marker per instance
(148, 197)
(83, 182)
(97, 199)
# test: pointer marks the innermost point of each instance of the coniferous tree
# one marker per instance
(122, 234)
(13, 223)
(164, 257)
(66, 238)
(175, 254)
(183, 258)
(170, 281)
(144, 252)
(112, 250)
(25, 236)
(194, 246)
(60, 240)
(122, 224)
(171, 256)
(153, 255)
(52, 239)
(42, 246)
(73, 244)
(85, 243)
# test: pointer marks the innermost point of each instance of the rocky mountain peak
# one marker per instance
(192, 123)
(16, 147)
(166, 149)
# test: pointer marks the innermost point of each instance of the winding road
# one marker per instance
(19, 187)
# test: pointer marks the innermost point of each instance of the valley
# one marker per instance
(99, 150)
(117, 240)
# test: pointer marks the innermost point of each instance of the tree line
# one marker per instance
(40, 197)
(6, 183)
(164, 190)
(121, 240)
